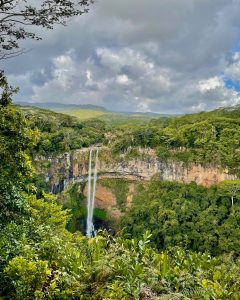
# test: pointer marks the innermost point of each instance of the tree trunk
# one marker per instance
(232, 200)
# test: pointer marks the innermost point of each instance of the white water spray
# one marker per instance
(89, 225)
(91, 192)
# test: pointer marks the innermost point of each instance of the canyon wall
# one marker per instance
(66, 169)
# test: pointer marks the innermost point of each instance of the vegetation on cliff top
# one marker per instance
(60, 133)
(211, 138)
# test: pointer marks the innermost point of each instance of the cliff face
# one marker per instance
(114, 199)
(106, 200)
(68, 168)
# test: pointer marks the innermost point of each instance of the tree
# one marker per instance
(6, 91)
(16, 142)
(18, 18)
(16, 139)
(231, 188)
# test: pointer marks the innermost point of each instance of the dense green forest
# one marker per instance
(191, 216)
(61, 133)
(208, 138)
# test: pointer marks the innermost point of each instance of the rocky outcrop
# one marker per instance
(106, 200)
(73, 167)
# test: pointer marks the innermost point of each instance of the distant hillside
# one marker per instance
(60, 106)
(231, 112)
(113, 118)
(46, 115)
(65, 107)
(147, 114)
(79, 114)
(84, 114)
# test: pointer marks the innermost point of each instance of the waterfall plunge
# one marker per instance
(91, 192)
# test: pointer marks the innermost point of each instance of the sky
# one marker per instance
(165, 56)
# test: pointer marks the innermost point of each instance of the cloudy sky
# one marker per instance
(166, 56)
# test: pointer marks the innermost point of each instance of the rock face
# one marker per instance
(72, 167)
(106, 200)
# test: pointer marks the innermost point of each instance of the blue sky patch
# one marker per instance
(233, 85)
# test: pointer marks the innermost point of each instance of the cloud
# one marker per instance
(122, 79)
(210, 84)
(233, 70)
(167, 56)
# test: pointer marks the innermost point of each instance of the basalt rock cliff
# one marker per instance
(62, 171)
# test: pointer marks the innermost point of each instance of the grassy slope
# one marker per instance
(84, 114)
(45, 114)
(109, 117)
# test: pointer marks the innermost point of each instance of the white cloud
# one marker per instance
(199, 107)
(210, 84)
(233, 70)
(122, 79)
(89, 75)
(153, 55)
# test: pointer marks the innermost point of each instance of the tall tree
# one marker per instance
(16, 140)
(230, 188)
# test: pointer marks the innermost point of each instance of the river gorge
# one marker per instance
(62, 172)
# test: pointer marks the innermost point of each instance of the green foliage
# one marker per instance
(163, 153)
(12, 203)
(27, 275)
(230, 188)
(6, 91)
(205, 138)
(74, 201)
(60, 133)
(100, 214)
(54, 264)
(16, 141)
(47, 211)
(188, 215)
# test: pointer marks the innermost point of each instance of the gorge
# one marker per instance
(78, 168)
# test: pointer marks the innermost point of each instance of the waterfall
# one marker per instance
(91, 192)
(89, 223)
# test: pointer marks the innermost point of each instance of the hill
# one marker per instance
(54, 106)
(60, 132)
(115, 118)
(88, 111)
